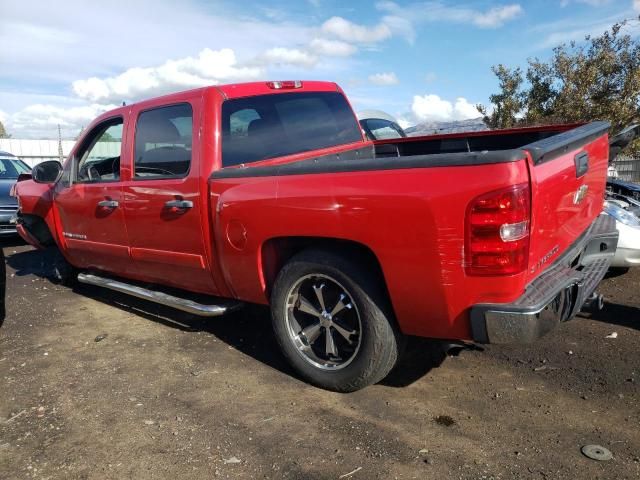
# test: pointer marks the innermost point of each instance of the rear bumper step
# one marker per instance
(162, 298)
(555, 296)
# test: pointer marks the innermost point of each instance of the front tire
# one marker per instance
(62, 271)
(333, 322)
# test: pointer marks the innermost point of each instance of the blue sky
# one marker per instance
(418, 60)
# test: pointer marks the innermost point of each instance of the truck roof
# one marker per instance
(237, 90)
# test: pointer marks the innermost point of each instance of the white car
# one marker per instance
(628, 224)
(379, 125)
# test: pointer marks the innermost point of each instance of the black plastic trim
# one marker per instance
(37, 228)
(557, 145)
(363, 159)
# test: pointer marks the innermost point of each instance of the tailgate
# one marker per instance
(568, 179)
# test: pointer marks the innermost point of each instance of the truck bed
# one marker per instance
(487, 140)
(425, 196)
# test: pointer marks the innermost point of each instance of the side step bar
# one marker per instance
(183, 304)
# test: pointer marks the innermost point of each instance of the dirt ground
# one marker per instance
(168, 395)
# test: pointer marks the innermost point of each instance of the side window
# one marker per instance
(163, 142)
(99, 156)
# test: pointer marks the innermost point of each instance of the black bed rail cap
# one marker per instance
(552, 147)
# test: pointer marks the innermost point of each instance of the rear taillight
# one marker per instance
(497, 232)
(286, 84)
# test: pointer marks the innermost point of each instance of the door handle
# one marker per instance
(108, 204)
(179, 204)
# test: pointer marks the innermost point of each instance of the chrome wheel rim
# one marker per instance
(323, 322)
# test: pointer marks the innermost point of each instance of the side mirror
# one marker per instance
(47, 172)
(24, 176)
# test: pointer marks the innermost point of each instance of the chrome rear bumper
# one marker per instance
(557, 295)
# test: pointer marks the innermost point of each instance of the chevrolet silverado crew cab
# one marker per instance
(269, 193)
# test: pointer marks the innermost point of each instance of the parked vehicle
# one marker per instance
(11, 167)
(628, 189)
(626, 212)
(378, 125)
(268, 193)
(617, 143)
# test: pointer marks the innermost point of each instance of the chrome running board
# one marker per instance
(183, 304)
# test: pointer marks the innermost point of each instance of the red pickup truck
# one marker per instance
(269, 193)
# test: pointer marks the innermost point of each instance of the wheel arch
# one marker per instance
(38, 228)
(276, 252)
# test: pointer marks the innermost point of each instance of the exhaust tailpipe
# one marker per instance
(595, 302)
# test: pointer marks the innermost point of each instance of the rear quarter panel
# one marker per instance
(412, 219)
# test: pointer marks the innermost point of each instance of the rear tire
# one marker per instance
(319, 294)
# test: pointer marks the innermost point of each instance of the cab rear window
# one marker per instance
(269, 126)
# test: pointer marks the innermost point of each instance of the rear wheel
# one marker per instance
(333, 323)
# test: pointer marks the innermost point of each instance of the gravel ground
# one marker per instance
(98, 385)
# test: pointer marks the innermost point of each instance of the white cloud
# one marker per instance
(41, 121)
(404, 123)
(636, 5)
(352, 32)
(209, 67)
(497, 16)
(383, 79)
(432, 107)
(66, 41)
(402, 18)
(401, 26)
(3, 116)
(464, 110)
(287, 56)
(332, 48)
(430, 77)
(593, 3)
(558, 32)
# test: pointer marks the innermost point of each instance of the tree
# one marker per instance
(3, 132)
(598, 80)
(508, 103)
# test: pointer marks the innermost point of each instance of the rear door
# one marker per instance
(88, 200)
(568, 176)
(163, 206)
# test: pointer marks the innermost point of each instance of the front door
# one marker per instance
(89, 201)
(163, 204)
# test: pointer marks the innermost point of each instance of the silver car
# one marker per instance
(10, 168)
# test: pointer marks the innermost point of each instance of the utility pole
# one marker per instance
(60, 154)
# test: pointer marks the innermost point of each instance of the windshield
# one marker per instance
(379, 129)
(11, 168)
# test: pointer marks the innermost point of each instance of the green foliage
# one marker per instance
(3, 132)
(508, 103)
(599, 80)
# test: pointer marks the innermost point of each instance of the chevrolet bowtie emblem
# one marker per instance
(580, 194)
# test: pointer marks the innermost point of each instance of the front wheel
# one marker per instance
(333, 323)
(62, 271)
